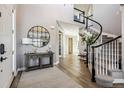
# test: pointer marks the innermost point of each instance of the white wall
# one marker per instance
(44, 15)
(109, 16)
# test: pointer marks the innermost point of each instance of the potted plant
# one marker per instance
(88, 37)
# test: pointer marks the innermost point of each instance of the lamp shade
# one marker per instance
(26, 41)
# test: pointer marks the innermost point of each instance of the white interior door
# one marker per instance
(6, 39)
(70, 45)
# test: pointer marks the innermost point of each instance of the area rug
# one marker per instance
(47, 78)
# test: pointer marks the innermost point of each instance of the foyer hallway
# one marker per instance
(77, 70)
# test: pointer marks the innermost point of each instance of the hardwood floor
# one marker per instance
(77, 70)
(16, 80)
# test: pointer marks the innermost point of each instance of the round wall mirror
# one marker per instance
(39, 35)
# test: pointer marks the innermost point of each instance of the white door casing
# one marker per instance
(6, 38)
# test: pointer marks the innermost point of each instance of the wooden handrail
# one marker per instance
(107, 42)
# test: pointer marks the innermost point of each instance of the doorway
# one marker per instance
(68, 35)
(70, 46)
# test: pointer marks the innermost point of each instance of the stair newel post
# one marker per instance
(93, 64)
(87, 44)
(87, 56)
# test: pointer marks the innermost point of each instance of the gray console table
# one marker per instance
(39, 57)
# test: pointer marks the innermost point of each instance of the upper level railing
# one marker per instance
(86, 21)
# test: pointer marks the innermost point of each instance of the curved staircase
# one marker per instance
(103, 55)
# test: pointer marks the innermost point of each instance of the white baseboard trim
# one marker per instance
(10, 81)
(21, 69)
(15, 73)
(56, 63)
(118, 81)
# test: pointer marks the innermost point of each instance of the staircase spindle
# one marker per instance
(89, 59)
(100, 60)
(112, 55)
(90, 55)
(109, 57)
(97, 60)
(103, 61)
(115, 55)
(106, 59)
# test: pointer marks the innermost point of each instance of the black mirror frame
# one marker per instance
(32, 40)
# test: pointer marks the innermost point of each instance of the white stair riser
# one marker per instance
(117, 75)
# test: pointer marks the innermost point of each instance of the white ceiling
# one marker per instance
(83, 7)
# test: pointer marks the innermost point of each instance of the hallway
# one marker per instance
(77, 70)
